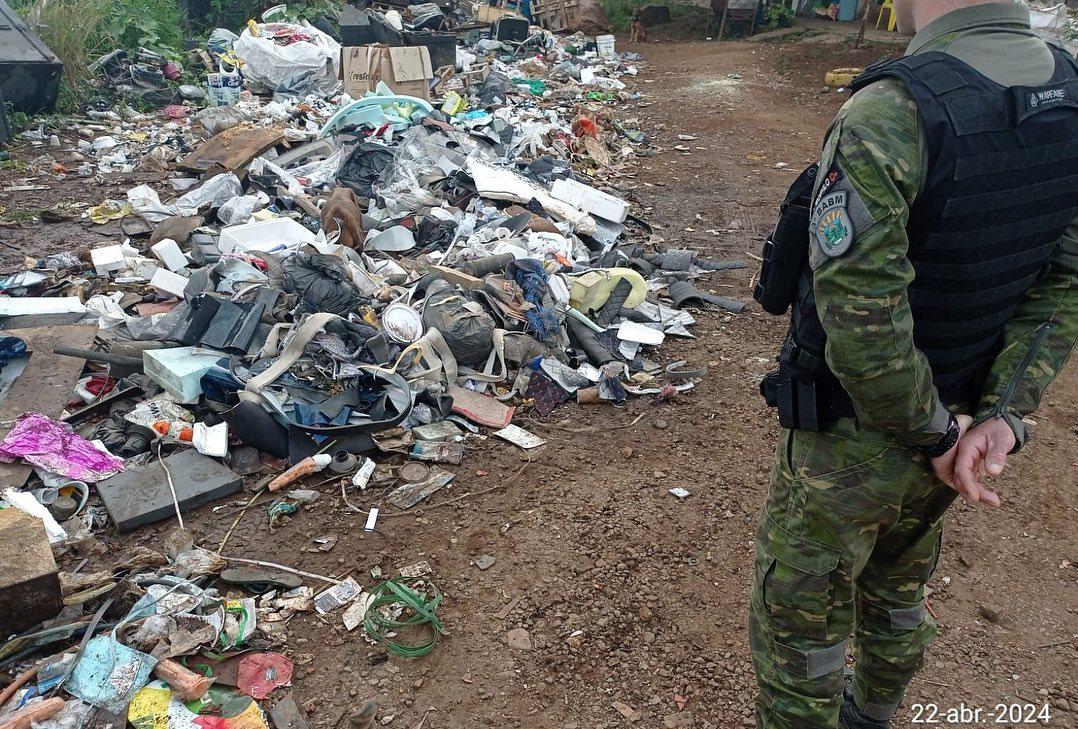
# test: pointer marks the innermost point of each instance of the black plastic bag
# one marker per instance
(321, 283)
(364, 166)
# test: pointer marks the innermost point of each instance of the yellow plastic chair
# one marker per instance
(892, 21)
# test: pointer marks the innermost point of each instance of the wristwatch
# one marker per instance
(946, 441)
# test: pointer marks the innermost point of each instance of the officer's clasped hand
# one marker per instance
(943, 466)
(982, 452)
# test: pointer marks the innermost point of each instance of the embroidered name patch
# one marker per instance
(831, 224)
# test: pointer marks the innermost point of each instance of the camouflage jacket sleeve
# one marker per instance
(1037, 341)
(872, 170)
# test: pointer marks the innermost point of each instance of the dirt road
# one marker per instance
(634, 602)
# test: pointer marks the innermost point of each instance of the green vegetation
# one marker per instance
(19, 120)
(778, 16)
(685, 16)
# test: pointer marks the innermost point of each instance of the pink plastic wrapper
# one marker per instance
(55, 447)
(260, 673)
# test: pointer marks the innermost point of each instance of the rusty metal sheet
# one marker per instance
(231, 149)
(45, 386)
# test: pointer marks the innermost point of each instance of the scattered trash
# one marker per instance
(337, 596)
(394, 605)
(362, 261)
(519, 437)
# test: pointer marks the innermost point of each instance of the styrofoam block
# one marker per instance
(167, 283)
(169, 253)
(590, 200)
(277, 234)
(108, 259)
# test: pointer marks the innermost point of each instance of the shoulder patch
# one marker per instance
(831, 224)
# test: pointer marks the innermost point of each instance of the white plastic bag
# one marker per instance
(224, 87)
(301, 67)
(239, 210)
(213, 193)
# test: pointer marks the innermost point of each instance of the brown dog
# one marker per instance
(638, 32)
(341, 213)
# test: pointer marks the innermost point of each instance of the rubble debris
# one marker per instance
(29, 580)
(518, 639)
(140, 495)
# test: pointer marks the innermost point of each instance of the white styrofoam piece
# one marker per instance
(630, 331)
(16, 306)
(590, 200)
(168, 252)
(167, 283)
(397, 238)
(499, 183)
(264, 236)
(108, 259)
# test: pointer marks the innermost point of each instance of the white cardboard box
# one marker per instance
(590, 200)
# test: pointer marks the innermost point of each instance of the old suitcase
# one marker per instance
(29, 71)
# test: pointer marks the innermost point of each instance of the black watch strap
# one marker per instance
(946, 441)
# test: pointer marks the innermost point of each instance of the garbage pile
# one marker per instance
(363, 272)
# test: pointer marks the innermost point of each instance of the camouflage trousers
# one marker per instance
(850, 534)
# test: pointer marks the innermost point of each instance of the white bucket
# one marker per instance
(604, 44)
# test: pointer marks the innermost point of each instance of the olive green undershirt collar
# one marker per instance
(970, 18)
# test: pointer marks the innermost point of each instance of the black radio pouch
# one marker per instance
(786, 250)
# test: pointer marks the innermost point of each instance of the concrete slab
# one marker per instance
(140, 495)
(29, 585)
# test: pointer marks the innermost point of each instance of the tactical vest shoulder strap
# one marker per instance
(933, 69)
(1063, 58)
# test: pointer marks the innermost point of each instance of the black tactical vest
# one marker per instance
(1002, 188)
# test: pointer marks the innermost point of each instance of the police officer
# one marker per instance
(939, 292)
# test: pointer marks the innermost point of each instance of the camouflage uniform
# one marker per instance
(852, 527)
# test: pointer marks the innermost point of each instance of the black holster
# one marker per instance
(796, 401)
(785, 253)
(804, 392)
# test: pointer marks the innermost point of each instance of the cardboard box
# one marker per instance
(407, 71)
(488, 13)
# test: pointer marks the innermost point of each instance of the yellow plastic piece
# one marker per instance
(589, 291)
(841, 77)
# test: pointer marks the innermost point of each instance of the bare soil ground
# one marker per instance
(628, 594)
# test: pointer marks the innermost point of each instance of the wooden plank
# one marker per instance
(231, 149)
(45, 386)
